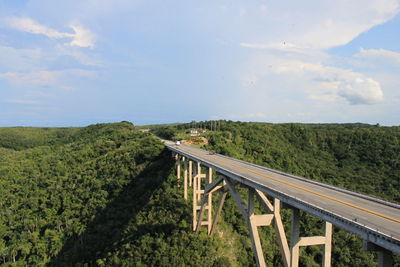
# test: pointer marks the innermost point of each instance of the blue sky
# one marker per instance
(74, 63)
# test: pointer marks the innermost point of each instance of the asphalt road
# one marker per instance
(381, 217)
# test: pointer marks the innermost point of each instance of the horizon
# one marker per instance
(153, 62)
(172, 123)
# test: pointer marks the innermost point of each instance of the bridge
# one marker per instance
(376, 221)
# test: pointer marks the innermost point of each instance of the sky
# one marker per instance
(79, 62)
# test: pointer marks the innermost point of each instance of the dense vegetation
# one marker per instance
(18, 138)
(100, 195)
(107, 195)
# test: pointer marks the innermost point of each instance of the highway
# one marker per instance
(374, 220)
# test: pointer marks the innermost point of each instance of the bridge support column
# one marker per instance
(294, 238)
(296, 241)
(209, 200)
(190, 172)
(185, 179)
(206, 203)
(178, 168)
(327, 259)
(195, 191)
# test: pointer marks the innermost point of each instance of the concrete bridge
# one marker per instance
(377, 222)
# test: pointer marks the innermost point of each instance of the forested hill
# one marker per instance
(100, 195)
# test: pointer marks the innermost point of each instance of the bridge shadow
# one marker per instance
(106, 231)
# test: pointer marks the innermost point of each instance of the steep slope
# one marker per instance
(99, 195)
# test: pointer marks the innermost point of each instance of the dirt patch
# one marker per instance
(196, 140)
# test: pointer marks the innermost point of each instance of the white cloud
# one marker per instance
(322, 83)
(293, 54)
(274, 46)
(333, 82)
(377, 57)
(81, 37)
(28, 25)
(319, 24)
(360, 90)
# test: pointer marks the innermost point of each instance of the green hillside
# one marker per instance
(100, 195)
(19, 138)
(107, 195)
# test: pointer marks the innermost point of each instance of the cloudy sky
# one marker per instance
(77, 62)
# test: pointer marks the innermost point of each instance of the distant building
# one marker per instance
(194, 133)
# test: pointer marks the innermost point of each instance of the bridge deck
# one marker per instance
(373, 220)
